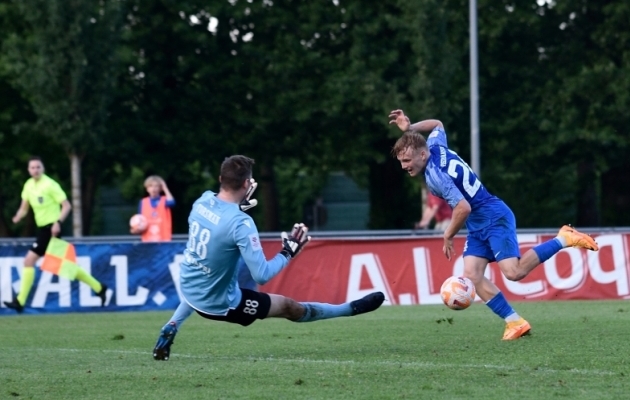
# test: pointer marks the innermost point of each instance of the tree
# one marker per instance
(554, 122)
(63, 63)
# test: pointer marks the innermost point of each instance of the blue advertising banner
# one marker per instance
(139, 276)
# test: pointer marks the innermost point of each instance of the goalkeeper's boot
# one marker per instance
(162, 348)
(368, 303)
(575, 238)
(103, 294)
(14, 304)
(516, 329)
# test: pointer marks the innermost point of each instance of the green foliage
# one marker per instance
(156, 86)
(18, 141)
(61, 58)
(62, 62)
(395, 352)
(298, 185)
(558, 112)
(15, 150)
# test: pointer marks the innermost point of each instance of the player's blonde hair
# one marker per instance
(409, 139)
(151, 179)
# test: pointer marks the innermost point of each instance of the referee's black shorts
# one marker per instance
(254, 305)
(42, 238)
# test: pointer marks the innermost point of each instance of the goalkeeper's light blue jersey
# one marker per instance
(219, 233)
(450, 178)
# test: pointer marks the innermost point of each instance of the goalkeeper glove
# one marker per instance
(248, 203)
(294, 243)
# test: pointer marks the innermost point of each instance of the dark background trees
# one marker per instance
(305, 88)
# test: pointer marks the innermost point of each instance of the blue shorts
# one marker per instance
(495, 242)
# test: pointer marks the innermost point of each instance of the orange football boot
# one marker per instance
(516, 329)
(575, 238)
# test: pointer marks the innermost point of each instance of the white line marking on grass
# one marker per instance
(407, 364)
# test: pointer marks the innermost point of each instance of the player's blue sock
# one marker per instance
(317, 311)
(183, 311)
(499, 305)
(547, 249)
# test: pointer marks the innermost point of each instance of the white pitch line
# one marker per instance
(407, 364)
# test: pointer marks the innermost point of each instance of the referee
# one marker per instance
(50, 207)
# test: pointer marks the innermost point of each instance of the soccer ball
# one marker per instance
(138, 223)
(458, 292)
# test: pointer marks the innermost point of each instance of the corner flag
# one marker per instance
(60, 259)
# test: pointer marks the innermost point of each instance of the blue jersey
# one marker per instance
(220, 233)
(450, 178)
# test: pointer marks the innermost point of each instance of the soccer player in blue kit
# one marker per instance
(490, 222)
(219, 233)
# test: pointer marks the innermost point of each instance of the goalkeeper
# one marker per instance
(219, 233)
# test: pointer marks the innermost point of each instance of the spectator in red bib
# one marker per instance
(435, 208)
(156, 208)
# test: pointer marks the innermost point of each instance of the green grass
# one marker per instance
(577, 350)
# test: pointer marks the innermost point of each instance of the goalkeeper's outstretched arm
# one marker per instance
(264, 270)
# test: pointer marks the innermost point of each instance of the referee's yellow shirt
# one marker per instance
(45, 197)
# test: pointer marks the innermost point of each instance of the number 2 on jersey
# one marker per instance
(452, 171)
(198, 241)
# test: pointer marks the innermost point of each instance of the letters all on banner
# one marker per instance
(145, 276)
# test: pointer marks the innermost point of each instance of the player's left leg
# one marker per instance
(26, 282)
(515, 325)
(284, 307)
(37, 250)
(478, 251)
(257, 305)
(99, 288)
(162, 349)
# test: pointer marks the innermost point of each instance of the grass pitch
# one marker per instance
(577, 350)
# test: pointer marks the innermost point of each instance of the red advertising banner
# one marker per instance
(411, 271)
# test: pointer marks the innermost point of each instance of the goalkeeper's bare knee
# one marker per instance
(285, 307)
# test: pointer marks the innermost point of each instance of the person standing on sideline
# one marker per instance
(50, 207)
(219, 233)
(157, 211)
(437, 208)
(490, 223)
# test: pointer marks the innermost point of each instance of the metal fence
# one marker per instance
(364, 234)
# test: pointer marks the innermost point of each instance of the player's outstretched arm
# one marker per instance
(292, 244)
(263, 270)
(399, 118)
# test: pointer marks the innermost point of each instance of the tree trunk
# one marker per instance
(77, 219)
